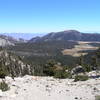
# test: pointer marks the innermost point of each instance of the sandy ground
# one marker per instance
(81, 47)
(48, 88)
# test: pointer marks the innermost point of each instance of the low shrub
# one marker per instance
(62, 74)
(81, 78)
(4, 86)
(3, 74)
(97, 97)
(87, 68)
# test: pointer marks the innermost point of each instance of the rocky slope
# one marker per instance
(48, 88)
(13, 65)
(7, 40)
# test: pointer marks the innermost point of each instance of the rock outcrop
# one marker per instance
(13, 65)
(77, 70)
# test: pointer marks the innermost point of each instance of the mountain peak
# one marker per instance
(71, 31)
(67, 35)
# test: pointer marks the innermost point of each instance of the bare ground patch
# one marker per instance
(76, 51)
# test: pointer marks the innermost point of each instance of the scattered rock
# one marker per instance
(76, 97)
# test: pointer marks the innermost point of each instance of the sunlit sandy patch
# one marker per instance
(76, 51)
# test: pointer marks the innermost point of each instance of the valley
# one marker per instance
(58, 65)
(49, 49)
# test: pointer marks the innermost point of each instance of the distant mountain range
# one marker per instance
(12, 38)
(25, 36)
(69, 35)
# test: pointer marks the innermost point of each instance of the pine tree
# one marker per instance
(81, 60)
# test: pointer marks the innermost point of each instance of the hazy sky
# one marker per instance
(49, 15)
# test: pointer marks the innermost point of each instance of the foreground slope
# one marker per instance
(48, 88)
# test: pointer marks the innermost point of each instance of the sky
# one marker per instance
(41, 16)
